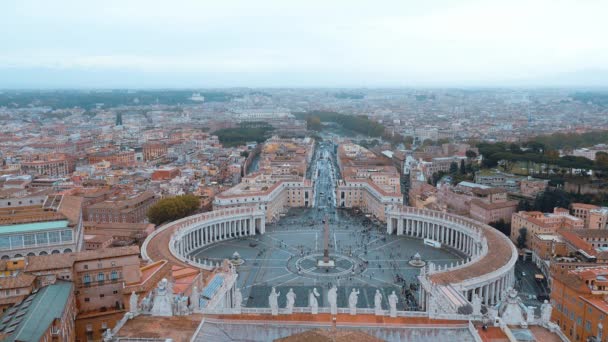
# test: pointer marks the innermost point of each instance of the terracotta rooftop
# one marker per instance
(65, 260)
(20, 280)
(499, 254)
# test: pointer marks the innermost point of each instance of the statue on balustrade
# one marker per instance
(332, 298)
(163, 300)
(545, 312)
(313, 302)
(392, 303)
(378, 303)
(352, 301)
(133, 302)
(195, 302)
(238, 300)
(291, 300)
(273, 301)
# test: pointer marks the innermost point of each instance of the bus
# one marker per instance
(432, 243)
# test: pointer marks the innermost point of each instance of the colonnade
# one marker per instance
(446, 233)
(215, 226)
(468, 237)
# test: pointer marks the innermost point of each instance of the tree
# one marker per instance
(601, 160)
(463, 169)
(453, 168)
(522, 238)
(502, 226)
(471, 154)
(173, 208)
(313, 123)
(523, 205)
(549, 199)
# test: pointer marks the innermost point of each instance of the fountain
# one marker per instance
(417, 261)
(236, 259)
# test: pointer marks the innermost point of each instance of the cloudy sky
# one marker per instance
(210, 43)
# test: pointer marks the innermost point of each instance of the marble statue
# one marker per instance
(476, 302)
(163, 301)
(392, 303)
(146, 303)
(313, 302)
(182, 306)
(273, 301)
(545, 312)
(291, 300)
(107, 335)
(530, 314)
(195, 302)
(378, 303)
(238, 300)
(133, 302)
(332, 298)
(353, 298)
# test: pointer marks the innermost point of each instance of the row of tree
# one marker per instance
(557, 141)
(257, 132)
(357, 123)
(537, 153)
(173, 208)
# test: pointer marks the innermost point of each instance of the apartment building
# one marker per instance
(51, 228)
(273, 196)
(595, 217)
(122, 209)
(369, 182)
(579, 302)
(98, 276)
(543, 223)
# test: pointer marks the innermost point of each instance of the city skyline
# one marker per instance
(272, 44)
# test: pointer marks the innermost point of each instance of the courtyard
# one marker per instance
(365, 258)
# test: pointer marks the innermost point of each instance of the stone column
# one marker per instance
(399, 226)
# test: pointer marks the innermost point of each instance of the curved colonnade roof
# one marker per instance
(499, 254)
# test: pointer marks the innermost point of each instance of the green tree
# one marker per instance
(551, 198)
(502, 226)
(522, 238)
(453, 168)
(173, 208)
(471, 154)
(463, 168)
(313, 123)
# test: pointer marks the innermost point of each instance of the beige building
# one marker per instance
(595, 217)
(273, 196)
(543, 223)
(369, 182)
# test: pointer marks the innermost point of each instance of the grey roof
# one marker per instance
(30, 319)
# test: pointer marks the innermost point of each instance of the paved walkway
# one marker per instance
(158, 247)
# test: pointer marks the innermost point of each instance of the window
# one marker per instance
(114, 275)
(101, 295)
(115, 292)
(587, 325)
(86, 299)
(17, 241)
(66, 235)
(100, 277)
(87, 278)
(53, 237)
(5, 242)
(29, 239)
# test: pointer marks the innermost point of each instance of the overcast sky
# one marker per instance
(210, 43)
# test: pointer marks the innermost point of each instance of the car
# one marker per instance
(523, 274)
